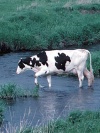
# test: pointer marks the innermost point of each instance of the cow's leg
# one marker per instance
(39, 73)
(80, 77)
(36, 81)
(90, 77)
(49, 80)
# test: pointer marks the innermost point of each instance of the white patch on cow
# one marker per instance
(67, 63)
(19, 70)
(30, 62)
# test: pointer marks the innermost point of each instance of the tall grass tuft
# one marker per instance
(11, 91)
(2, 107)
(36, 91)
(8, 91)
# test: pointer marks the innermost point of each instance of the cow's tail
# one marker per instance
(91, 69)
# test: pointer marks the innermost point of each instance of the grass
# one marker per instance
(48, 24)
(8, 91)
(96, 63)
(76, 122)
(35, 91)
(84, 122)
(11, 91)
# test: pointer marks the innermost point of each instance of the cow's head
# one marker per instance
(23, 65)
(32, 63)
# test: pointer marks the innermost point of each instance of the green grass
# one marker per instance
(46, 24)
(84, 122)
(8, 91)
(76, 122)
(35, 91)
(11, 91)
(95, 63)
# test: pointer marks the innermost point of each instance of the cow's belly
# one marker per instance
(54, 69)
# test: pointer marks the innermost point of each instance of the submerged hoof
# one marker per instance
(41, 86)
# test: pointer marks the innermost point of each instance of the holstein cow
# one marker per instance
(58, 61)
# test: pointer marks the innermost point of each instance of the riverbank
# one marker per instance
(47, 24)
(76, 122)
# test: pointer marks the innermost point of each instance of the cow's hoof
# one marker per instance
(37, 85)
(41, 86)
(90, 87)
(81, 87)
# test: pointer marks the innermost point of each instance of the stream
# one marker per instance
(64, 96)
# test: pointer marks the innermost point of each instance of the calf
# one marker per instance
(58, 61)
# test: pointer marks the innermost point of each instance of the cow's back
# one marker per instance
(60, 60)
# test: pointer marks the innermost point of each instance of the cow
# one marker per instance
(60, 62)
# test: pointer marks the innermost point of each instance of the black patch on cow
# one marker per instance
(61, 60)
(24, 61)
(43, 58)
(27, 61)
(35, 62)
(21, 65)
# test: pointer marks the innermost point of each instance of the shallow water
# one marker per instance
(57, 102)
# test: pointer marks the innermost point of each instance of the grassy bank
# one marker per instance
(76, 122)
(48, 24)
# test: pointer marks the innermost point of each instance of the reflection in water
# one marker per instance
(83, 97)
(48, 108)
(54, 103)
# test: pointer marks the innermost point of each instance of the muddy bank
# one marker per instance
(4, 48)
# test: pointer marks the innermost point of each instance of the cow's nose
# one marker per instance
(17, 72)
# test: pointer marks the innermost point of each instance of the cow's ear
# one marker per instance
(21, 59)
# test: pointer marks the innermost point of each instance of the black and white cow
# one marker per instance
(58, 61)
